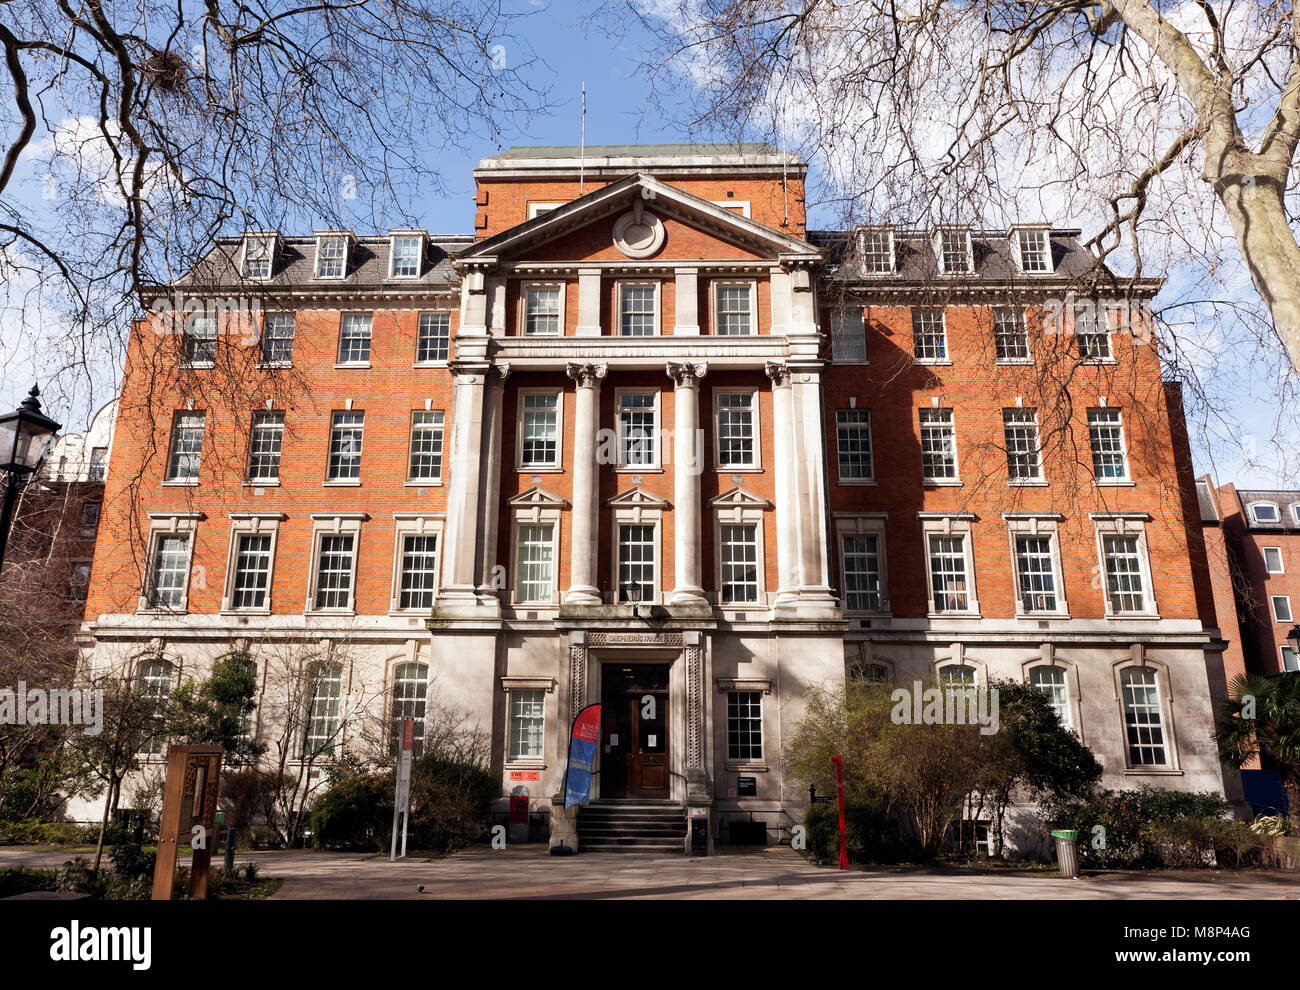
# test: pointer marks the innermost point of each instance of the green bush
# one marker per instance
(40, 833)
(870, 834)
(1144, 828)
(131, 861)
(353, 812)
(21, 880)
(451, 803)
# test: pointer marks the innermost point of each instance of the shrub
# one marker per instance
(353, 812)
(870, 835)
(21, 880)
(131, 861)
(1143, 828)
(451, 802)
(40, 833)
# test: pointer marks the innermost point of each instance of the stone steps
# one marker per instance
(632, 826)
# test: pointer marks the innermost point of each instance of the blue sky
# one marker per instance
(576, 52)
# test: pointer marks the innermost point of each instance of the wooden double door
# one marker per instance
(634, 710)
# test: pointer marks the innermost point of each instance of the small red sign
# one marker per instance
(408, 733)
(525, 775)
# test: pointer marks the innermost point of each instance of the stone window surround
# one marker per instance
(957, 657)
(950, 524)
(331, 235)
(521, 326)
(520, 466)
(333, 524)
(717, 283)
(1138, 658)
(863, 524)
(763, 686)
(757, 465)
(1126, 524)
(1046, 234)
(877, 229)
(616, 328)
(244, 524)
(1037, 524)
(1048, 657)
(518, 682)
(658, 435)
(272, 254)
(867, 657)
(168, 524)
(937, 242)
(413, 524)
(423, 239)
(638, 508)
(738, 507)
(542, 509)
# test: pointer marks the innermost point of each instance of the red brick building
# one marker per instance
(642, 435)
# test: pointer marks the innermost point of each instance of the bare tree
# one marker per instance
(141, 130)
(1169, 131)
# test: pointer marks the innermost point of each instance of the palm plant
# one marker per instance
(1262, 715)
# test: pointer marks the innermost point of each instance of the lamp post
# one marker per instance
(633, 593)
(25, 435)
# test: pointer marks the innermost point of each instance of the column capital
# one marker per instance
(497, 374)
(586, 375)
(468, 372)
(778, 373)
(686, 375)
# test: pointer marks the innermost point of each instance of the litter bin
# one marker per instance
(1067, 852)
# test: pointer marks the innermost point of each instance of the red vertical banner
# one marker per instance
(839, 793)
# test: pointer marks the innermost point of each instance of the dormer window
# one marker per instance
(408, 252)
(259, 255)
(876, 248)
(953, 249)
(1032, 249)
(1265, 513)
(332, 255)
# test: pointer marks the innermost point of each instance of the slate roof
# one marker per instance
(1285, 502)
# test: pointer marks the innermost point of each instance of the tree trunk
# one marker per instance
(1291, 785)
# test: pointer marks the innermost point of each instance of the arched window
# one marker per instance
(869, 673)
(324, 696)
(155, 687)
(1265, 512)
(1051, 681)
(1143, 720)
(410, 694)
(956, 675)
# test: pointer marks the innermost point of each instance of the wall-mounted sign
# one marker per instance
(525, 775)
(747, 786)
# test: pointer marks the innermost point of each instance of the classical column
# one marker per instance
(586, 504)
(461, 534)
(783, 469)
(688, 456)
(812, 562)
(490, 496)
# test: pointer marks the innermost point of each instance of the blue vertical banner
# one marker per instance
(582, 756)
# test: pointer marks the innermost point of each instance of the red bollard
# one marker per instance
(839, 791)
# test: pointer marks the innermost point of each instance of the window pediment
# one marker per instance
(538, 498)
(637, 498)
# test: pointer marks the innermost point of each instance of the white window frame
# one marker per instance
(849, 524)
(421, 239)
(858, 333)
(1074, 720)
(1027, 524)
(1281, 564)
(251, 524)
(394, 715)
(892, 249)
(1126, 524)
(916, 311)
(432, 362)
(1166, 725)
(333, 524)
(414, 524)
(955, 480)
(1254, 513)
(272, 239)
(546, 519)
(738, 507)
(757, 464)
(1017, 314)
(168, 524)
(521, 465)
(636, 516)
(263, 361)
(331, 236)
(740, 206)
(937, 241)
(523, 308)
(188, 337)
(656, 464)
(344, 482)
(410, 440)
(719, 283)
(537, 209)
(956, 524)
(186, 481)
(259, 482)
(1273, 600)
(1127, 478)
(1285, 650)
(1008, 415)
(1295, 512)
(870, 478)
(1017, 248)
(751, 760)
(512, 759)
(657, 320)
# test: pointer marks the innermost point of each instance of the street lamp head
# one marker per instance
(25, 435)
(1293, 637)
(632, 592)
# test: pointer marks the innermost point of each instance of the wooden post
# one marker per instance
(190, 799)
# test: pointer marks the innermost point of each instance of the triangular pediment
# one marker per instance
(643, 195)
(738, 498)
(637, 498)
(539, 498)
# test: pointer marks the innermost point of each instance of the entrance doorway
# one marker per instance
(634, 708)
